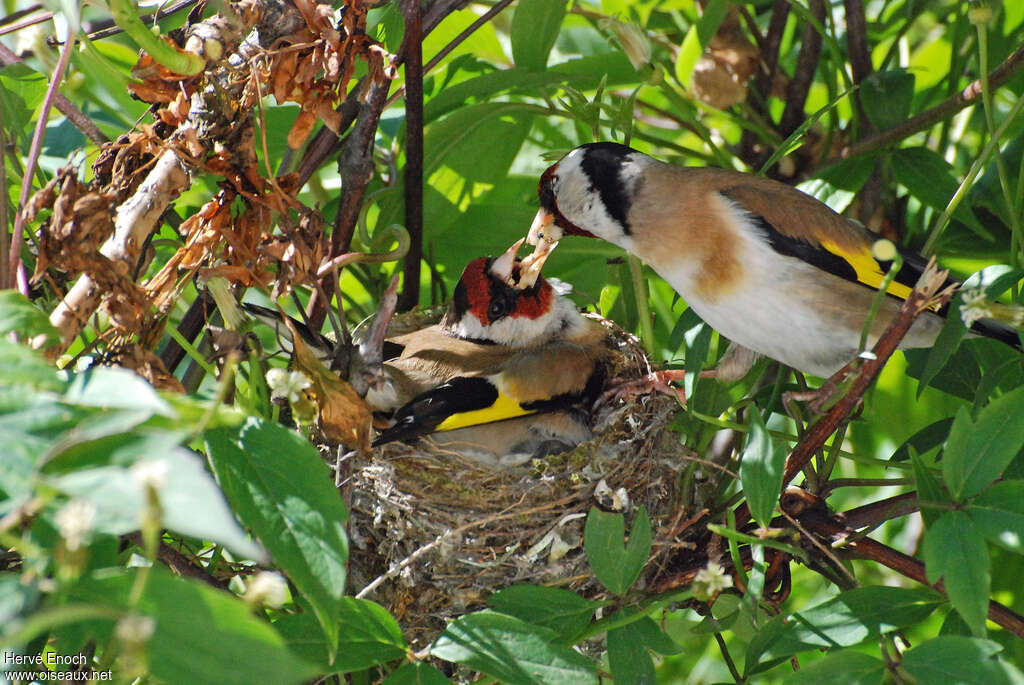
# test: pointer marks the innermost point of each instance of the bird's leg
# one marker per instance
(656, 381)
(734, 364)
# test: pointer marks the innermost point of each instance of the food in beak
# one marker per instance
(503, 267)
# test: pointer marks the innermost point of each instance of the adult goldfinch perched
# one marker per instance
(509, 373)
(767, 266)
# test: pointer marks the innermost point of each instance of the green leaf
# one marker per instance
(977, 452)
(654, 638)
(616, 563)
(483, 87)
(845, 620)
(21, 91)
(19, 315)
(369, 636)
(999, 514)
(535, 27)
(923, 441)
(105, 438)
(564, 612)
(200, 634)
(417, 673)
(445, 136)
(959, 376)
(511, 651)
(886, 97)
(191, 501)
(960, 660)
(931, 496)
(848, 175)
(955, 551)
(17, 600)
(698, 342)
(282, 490)
(20, 366)
(946, 344)
(932, 180)
(628, 658)
(102, 63)
(856, 668)
(761, 470)
(112, 387)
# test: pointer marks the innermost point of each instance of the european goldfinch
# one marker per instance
(770, 268)
(509, 373)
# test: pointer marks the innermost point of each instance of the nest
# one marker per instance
(433, 533)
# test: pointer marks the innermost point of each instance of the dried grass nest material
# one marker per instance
(435, 533)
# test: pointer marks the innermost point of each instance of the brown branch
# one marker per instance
(326, 143)
(814, 439)
(814, 516)
(15, 269)
(769, 48)
(857, 40)
(876, 512)
(456, 41)
(803, 76)
(945, 109)
(413, 174)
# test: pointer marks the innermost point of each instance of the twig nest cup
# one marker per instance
(434, 533)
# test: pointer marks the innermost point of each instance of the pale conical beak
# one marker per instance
(502, 266)
(543, 229)
(529, 268)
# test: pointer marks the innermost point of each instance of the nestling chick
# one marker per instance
(511, 369)
(767, 266)
(508, 374)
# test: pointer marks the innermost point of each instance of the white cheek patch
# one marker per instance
(510, 331)
(580, 203)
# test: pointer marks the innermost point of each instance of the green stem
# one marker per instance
(876, 304)
(643, 308)
(189, 348)
(990, 148)
(1004, 177)
(126, 16)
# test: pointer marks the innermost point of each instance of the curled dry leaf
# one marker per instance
(720, 76)
(345, 417)
(156, 84)
(80, 222)
(316, 63)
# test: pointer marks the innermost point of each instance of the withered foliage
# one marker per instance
(254, 231)
(78, 225)
(720, 76)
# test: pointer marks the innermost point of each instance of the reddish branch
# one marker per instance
(813, 515)
(413, 176)
(803, 76)
(926, 293)
(947, 108)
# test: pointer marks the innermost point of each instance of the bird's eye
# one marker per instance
(497, 309)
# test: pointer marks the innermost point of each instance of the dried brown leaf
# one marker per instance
(344, 416)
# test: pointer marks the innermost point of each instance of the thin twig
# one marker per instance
(16, 270)
(924, 294)
(455, 42)
(803, 76)
(945, 109)
(816, 519)
(413, 174)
